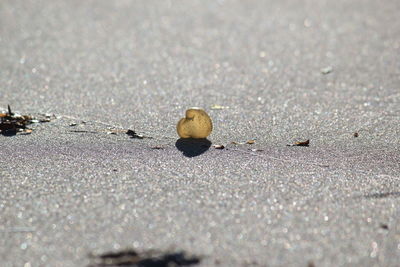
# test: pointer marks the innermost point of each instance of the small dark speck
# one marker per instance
(355, 134)
(114, 170)
(384, 226)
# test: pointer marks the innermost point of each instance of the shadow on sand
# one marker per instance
(192, 147)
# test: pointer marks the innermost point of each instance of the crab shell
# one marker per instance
(196, 124)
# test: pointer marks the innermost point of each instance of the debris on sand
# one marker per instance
(115, 131)
(133, 134)
(219, 146)
(326, 70)
(248, 142)
(47, 117)
(144, 259)
(384, 226)
(300, 143)
(355, 134)
(218, 107)
(83, 131)
(12, 123)
(110, 131)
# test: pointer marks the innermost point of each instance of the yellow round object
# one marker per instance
(196, 124)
